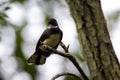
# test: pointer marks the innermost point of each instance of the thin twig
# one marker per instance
(66, 73)
(69, 56)
(64, 47)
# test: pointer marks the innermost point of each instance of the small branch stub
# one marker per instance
(64, 47)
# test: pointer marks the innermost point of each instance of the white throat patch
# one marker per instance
(50, 26)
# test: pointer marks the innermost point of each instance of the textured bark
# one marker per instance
(94, 38)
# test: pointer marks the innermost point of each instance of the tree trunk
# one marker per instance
(94, 38)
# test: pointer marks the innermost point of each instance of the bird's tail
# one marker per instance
(37, 59)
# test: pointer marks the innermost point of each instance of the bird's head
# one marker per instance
(52, 22)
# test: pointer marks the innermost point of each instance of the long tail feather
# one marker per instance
(37, 59)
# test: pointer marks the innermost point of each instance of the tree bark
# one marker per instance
(95, 40)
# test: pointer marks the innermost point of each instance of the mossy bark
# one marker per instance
(94, 38)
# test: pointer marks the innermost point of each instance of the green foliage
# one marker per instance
(46, 19)
(20, 55)
(3, 21)
(71, 78)
(3, 16)
(112, 19)
(79, 57)
(54, 0)
(6, 8)
(19, 1)
(1, 78)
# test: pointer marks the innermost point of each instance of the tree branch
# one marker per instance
(64, 47)
(67, 55)
(63, 74)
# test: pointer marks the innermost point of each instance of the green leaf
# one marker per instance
(46, 19)
(3, 21)
(2, 14)
(71, 78)
(6, 8)
(79, 57)
(19, 1)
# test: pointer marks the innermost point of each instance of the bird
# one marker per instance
(51, 36)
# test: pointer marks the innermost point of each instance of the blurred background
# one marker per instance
(23, 21)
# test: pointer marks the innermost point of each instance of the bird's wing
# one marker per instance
(44, 35)
(47, 33)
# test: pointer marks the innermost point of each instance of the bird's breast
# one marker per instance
(53, 40)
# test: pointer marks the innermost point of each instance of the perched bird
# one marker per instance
(52, 36)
